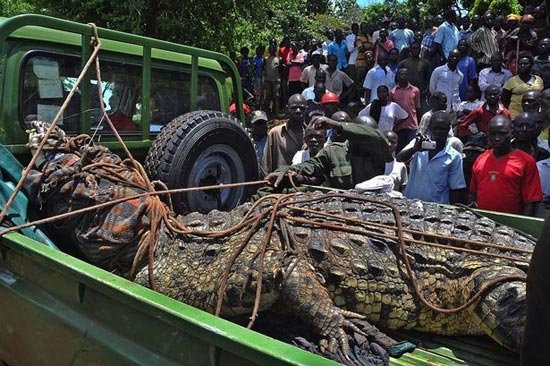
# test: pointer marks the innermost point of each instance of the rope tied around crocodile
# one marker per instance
(129, 184)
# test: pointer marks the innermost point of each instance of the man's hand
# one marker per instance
(326, 123)
(418, 142)
(276, 178)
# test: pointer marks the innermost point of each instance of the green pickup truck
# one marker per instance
(58, 310)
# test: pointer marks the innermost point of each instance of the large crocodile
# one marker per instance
(326, 258)
(342, 261)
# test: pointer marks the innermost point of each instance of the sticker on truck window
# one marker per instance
(45, 69)
(50, 88)
(47, 113)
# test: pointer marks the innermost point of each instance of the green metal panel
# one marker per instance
(529, 225)
(58, 310)
(128, 42)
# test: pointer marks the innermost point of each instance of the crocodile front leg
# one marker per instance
(305, 296)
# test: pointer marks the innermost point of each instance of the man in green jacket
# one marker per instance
(341, 164)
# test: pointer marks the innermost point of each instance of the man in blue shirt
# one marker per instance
(447, 36)
(402, 37)
(339, 48)
(435, 171)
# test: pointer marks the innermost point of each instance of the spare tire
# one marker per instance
(203, 148)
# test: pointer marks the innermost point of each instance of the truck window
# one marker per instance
(208, 97)
(121, 87)
(170, 96)
(48, 79)
(45, 84)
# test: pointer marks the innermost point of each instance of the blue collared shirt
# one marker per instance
(341, 51)
(431, 180)
(447, 36)
(401, 38)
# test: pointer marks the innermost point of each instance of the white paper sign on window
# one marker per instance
(50, 88)
(48, 112)
(45, 69)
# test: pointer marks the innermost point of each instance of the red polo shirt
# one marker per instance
(408, 98)
(505, 183)
(481, 117)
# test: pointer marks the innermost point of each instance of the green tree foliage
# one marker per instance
(220, 25)
(502, 7)
(10, 8)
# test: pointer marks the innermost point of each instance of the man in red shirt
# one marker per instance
(503, 178)
(478, 119)
(407, 96)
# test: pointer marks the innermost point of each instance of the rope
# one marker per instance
(160, 213)
(31, 163)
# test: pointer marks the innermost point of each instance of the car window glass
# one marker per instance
(46, 82)
(121, 89)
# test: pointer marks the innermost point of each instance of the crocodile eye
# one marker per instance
(317, 250)
(212, 250)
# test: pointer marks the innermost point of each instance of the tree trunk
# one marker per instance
(151, 16)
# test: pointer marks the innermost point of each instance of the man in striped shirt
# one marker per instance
(484, 42)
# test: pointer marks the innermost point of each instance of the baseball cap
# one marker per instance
(257, 116)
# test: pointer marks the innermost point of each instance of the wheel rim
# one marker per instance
(217, 164)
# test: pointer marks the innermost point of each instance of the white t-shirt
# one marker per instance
(398, 172)
(300, 156)
(389, 115)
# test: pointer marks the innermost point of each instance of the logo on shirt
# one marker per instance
(493, 176)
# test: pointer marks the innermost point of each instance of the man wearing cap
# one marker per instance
(308, 77)
(258, 131)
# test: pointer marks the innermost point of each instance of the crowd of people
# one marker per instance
(454, 113)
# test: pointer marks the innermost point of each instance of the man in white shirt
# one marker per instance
(395, 169)
(314, 139)
(385, 113)
(320, 77)
(353, 51)
(447, 79)
(378, 75)
(308, 74)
